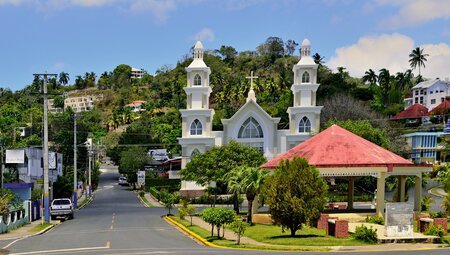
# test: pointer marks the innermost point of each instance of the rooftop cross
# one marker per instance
(251, 77)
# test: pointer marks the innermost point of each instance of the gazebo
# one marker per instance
(337, 152)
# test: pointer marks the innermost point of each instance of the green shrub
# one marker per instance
(438, 215)
(155, 193)
(365, 234)
(36, 194)
(239, 227)
(141, 193)
(434, 231)
(375, 220)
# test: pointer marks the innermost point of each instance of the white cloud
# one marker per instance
(206, 34)
(91, 3)
(413, 12)
(159, 8)
(390, 52)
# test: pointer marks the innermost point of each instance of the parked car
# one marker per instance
(123, 181)
(61, 207)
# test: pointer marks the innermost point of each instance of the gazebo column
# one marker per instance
(417, 193)
(381, 182)
(350, 192)
(402, 186)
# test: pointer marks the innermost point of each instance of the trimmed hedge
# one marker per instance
(170, 185)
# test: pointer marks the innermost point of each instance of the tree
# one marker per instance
(168, 200)
(133, 160)
(318, 59)
(251, 184)
(228, 53)
(371, 77)
(296, 194)
(214, 164)
(290, 45)
(64, 78)
(446, 204)
(417, 58)
(238, 227)
(58, 101)
(217, 216)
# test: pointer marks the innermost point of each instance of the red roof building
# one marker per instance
(415, 111)
(337, 152)
(441, 108)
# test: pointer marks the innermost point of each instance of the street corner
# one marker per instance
(193, 235)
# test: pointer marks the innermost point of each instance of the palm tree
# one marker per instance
(64, 78)
(384, 79)
(417, 58)
(371, 77)
(252, 183)
(235, 187)
(318, 59)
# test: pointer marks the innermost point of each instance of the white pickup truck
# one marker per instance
(61, 207)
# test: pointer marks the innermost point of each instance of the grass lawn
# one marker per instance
(305, 237)
(146, 201)
(39, 227)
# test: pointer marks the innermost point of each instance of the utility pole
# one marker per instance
(3, 162)
(45, 147)
(75, 183)
(90, 159)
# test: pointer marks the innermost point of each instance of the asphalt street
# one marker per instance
(116, 223)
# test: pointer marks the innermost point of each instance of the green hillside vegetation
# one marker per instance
(372, 98)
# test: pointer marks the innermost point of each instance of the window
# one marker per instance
(421, 92)
(433, 101)
(416, 100)
(250, 129)
(259, 146)
(304, 126)
(431, 92)
(417, 92)
(421, 100)
(196, 127)
(197, 80)
(305, 77)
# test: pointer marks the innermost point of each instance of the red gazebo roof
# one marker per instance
(413, 112)
(337, 147)
(441, 108)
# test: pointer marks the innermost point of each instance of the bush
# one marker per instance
(365, 234)
(438, 215)
(434, 231)
(36, 194)
(206, 199)
(141, 193)
(160, 183)
(239, 227)
(155, 193)
(375, 220)
(217, 216)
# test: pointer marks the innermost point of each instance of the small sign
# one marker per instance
(51, 160)
(141, 177)
(39, 181)
(15, 157)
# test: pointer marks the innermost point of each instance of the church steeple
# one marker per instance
(305, 50)
(198, 50)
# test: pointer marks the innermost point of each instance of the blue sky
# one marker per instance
(78, 36)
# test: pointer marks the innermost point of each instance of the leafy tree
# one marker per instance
(426, 202)
(63, 187)
(218, 216)
(58, 101)
(228, 53)
(238, 227)
(168, 200)
(132, 160)
(417, 58)
(290, 45)
(446, 204)
(214, 164)
(295, 194)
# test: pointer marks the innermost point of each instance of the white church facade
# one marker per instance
(250, 125)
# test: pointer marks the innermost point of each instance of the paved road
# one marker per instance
(116, 223)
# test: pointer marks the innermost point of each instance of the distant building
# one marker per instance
(415, 114)
(137, 105)
(82, 103)
(137, 73)
(429, 93)
(424, 147)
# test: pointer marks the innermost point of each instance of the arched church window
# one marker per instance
(250, 129)
(305, 77)
(196, 127)
(304, 126)
(197, 80)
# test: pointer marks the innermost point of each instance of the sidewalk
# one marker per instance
(151, 200)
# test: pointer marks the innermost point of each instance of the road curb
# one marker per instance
(194, 235)
(142, 201)
(30, 235)
(89, 200)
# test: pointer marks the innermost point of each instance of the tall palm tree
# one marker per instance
(384, 79)
(318, 59)
(371, 77)
(64, 78)
(417, 58)
(252, 183)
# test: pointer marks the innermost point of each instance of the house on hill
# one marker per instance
(415, 114)
(429, 93)
(250, 125)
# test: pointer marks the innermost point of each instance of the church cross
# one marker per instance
(251, 77)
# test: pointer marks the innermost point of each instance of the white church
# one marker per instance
(250, 125)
